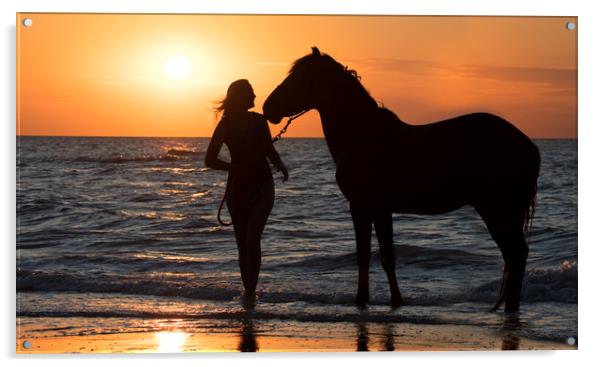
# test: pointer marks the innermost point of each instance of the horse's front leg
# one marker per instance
(383, 225)
(362, 223)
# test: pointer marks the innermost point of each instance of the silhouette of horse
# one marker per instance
(386, 166)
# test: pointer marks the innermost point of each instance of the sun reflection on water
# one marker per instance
(171, 341)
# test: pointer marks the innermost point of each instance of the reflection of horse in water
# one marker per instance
(386, 166)
(363, 338)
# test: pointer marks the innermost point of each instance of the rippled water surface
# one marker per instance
(126, 227)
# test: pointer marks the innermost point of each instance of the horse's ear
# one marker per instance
(315, 51)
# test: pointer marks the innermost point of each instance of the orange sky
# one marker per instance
(103, 74)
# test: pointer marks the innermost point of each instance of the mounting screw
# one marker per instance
(571, 26)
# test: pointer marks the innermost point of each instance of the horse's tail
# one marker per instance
(530, 210)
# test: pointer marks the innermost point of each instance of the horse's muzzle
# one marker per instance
(273, 120)
(270, 115)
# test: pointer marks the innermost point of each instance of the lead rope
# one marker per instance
(275, 139)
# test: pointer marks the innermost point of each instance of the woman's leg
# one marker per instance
(240, 217)
(258, 216)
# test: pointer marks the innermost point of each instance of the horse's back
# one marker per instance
(440, 166)
(466, 140)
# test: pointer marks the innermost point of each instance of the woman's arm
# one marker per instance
(271, 152)
(217, 140)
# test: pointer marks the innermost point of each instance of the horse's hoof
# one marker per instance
(512, 304)
(396, 302)
(511, 309)
(362, 301)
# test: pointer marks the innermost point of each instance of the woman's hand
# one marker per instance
(284, 171)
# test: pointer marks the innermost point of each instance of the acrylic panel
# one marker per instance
(432, 179)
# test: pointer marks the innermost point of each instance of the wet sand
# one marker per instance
(274, 336)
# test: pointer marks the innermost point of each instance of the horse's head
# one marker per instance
(304, 87)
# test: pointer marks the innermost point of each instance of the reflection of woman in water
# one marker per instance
(250, 188)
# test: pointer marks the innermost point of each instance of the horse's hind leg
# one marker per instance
(507, 231)
(362, 223)
(383, 225)
(515, 250)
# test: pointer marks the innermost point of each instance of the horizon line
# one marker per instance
(202, 137)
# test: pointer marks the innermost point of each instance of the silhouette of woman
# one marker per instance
(250, 187)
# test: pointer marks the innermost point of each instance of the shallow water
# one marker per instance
(126, 227)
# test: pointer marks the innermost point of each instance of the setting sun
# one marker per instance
(177, 67)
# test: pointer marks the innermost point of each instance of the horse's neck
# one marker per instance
(344, 124)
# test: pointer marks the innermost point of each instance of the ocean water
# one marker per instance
(118, 229)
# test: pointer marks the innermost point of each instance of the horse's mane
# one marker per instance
(327, 63)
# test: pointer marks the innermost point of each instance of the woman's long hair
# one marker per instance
(236, 98)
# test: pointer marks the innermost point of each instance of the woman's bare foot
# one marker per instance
(249, 299)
